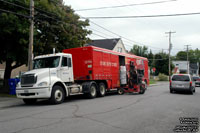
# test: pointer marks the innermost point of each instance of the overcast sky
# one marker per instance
(144, 31)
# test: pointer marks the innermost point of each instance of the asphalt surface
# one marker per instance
(156, 111)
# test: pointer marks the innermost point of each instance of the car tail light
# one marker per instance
(190, 83)
(170, 83)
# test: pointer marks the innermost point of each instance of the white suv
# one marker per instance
(183, 82)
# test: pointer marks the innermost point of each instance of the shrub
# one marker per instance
(162, 77)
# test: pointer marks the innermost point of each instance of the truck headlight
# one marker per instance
(17, 85)
(43, 84)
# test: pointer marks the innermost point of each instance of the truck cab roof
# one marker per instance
(51, 55)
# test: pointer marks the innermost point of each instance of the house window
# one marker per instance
(119, 49)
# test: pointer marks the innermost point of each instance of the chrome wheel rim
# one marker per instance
(93, 91)
(120, 91)
(102, 90)
(58, 95)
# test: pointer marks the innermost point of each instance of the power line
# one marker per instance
(37, 9)
(42, 14)
(159, 59)
(100, 35)
(128, 45)
(150, 3)
(70, 24)
(145, 16)
(132, 41)
(99, 32)
(15, 5)
(18, 14)
(108, 35)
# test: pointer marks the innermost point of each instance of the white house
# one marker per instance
(186, 67)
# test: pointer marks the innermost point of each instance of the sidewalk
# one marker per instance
(159, 83)
(6, 102)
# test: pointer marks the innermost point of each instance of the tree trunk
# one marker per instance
(7, 74)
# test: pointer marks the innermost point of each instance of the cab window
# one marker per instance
(64, 62)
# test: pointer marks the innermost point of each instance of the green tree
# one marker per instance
(56, 26)
(181, 55)
(139, 50)
(162, 63)
(150, 57)
(193, 55)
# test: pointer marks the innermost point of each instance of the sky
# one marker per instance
(150, 32)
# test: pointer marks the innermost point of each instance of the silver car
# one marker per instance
(182, 82)
(197, 80)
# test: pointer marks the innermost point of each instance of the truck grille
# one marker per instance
(28, 80)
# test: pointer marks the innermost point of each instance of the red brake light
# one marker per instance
(190, 83)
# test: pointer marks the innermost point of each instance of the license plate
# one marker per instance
(180, 86)
(25, 91)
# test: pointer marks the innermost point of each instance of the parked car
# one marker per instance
(197, 80)
(182, 82)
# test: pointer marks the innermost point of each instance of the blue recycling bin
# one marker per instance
(12, 84)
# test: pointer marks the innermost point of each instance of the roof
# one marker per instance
(105, 43)
(50, 55)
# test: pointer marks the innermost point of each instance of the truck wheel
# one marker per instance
(57, 95)
(120, 91)
(29, 101)
(102, 90)
(92, 91)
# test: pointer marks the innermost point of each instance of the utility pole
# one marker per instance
(30, 47)
(187, 48)
(170, 48)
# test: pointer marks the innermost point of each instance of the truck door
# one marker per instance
(66, 69)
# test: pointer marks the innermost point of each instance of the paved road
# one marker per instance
(157, 111)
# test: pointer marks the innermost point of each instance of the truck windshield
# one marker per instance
(49, 62)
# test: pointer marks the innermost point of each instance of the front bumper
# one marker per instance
(33, 92)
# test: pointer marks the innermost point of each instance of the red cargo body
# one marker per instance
(102, 65)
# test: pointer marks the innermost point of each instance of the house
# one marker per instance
(15, 72)
(186, 67)
(114, 44)
(194, 69)
(181, 66)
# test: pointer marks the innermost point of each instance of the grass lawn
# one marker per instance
(152, 81)
(7, 95)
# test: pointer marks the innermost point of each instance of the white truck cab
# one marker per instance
(50, 78)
